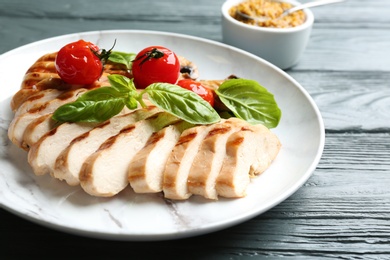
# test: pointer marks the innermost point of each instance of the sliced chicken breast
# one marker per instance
(244, 151)
(68, 163)
(104, 173)
(146, 169)
(20, 123)
(43, 154)
(180, 161)
(208, 161)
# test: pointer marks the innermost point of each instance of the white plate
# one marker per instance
(131, 216)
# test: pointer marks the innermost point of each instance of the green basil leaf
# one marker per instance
(248, 100)
(182, 103)
(121, 83)
(122, 58)
(88, 110)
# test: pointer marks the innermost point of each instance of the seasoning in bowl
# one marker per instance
(267, 9)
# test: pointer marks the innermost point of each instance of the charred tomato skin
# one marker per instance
(206, 93)
(78, 63)
(155, 64)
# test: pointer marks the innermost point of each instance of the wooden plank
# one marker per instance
(357, 101)
(351, 48)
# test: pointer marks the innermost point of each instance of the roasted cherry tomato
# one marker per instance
(197, 87)
(79, 63)
(155, 64)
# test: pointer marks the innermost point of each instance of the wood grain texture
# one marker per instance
(349, 100)
(342, 211)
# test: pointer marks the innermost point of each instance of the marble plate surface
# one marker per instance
(140, 217)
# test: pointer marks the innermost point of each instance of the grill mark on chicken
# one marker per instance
(80, 137)
(236, 141)
(218, 131)
(51, 132)
(155, 138)
(37, 109)
(35, 97)
(43, 66)
(186, 138)
(110, 141)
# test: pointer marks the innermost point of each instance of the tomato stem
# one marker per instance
(153, 54)
(104, 55)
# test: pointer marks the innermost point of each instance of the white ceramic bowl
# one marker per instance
(281, 46)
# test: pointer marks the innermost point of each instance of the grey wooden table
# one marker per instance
(342, 211)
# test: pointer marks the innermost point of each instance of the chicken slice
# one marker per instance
(43, 154)
(38, 128)
(20, 123)
(104, 173)
(208, 161)
(68, 163)
(37, 100)
(248, 152)
(145, 173)
(180, 160)
(267, 150)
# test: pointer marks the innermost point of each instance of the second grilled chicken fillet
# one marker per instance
(147, 167)
(208, 161)
(68, 163)
(104, 173)
(243, 149)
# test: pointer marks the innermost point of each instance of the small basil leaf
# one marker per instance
(182, 103)
(122, 58)
(249, 101)
(121, 83)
